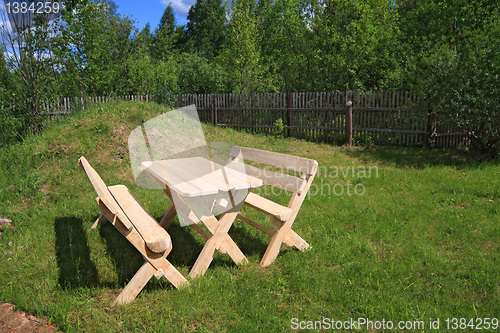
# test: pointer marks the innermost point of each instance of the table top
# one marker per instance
(197, 176)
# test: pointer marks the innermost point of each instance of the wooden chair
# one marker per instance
(281, 217)
(118, 206)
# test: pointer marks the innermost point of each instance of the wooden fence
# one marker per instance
(382, 118)
(58, 110)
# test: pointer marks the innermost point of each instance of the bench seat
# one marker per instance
(157, 239)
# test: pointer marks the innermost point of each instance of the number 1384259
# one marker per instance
(39, 7)
(473, 323)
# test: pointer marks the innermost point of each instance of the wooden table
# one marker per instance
(198, 187)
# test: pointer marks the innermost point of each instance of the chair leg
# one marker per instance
(134, 287)
(233, 251)
(284, 234)
(273, 249)
(173, 275)
(293, 239)
(220, 240)
(100, 221)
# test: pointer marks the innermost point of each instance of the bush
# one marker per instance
(461, 79)
(472, 98)
(10, 127)
(165, 96)
(197, 76)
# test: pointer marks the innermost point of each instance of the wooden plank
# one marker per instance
(156, 238)
(268, 207)
(103, 192)
(196, 176)
(256, 225)
(162, 175)
(277, 179)
(284, 161)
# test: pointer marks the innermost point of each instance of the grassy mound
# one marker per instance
(396, 234)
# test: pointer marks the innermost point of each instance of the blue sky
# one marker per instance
(151, 10)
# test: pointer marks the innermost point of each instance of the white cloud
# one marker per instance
(181, 7)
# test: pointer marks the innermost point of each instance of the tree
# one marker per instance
(241, 51)
(196, 75)
(205, 28)
(164, 35)
(286, 42)
(452, 58)
(357, 45)
(143, 41)
(10, 122)
(93, 48)
(31, 64)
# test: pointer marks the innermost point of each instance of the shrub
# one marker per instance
(165, 96)
(197, 76)
(10, 126)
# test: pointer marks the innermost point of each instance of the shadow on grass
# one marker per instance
(186, 248)
(419, 157)
(244, 236)
(127, 260)
(76, 269)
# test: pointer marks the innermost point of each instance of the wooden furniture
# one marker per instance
(195, 185)
(118, 206)
(281, 217)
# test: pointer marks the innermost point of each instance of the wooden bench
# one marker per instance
(118, 206)
(281, 217)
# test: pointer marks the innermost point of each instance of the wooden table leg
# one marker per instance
(169, 216)
(219, 240)
(233, 250)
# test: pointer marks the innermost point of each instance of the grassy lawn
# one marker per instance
(396, 234)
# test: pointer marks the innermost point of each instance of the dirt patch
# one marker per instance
(121, 133)
(17, 321)
(58, 149)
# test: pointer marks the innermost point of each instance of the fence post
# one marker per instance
(215, 109)
(431, 128)
(348, 123)
(288, 114)
(212, 106)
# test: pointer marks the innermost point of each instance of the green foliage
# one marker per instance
(166, 74)
(205, 28)
(453, 59)
(197, 76)
(287, 43)
(445, 50)
(27, 75)
(10, 126)
(279, 128)
(165, 96)
(164, 36)
(241, 52)
(357, 42)
(93, 45)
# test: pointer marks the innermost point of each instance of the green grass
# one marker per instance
(421, 242)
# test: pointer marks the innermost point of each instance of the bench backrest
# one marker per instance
(104, 195)
(304, 166)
